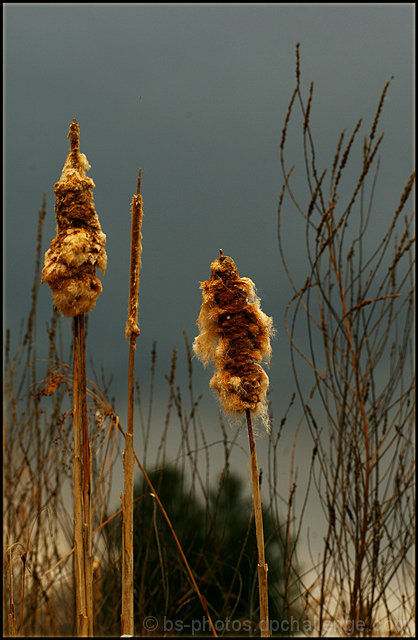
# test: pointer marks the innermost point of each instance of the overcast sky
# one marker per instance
(195, 95)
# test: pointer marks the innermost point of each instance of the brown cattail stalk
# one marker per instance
(262, 567)
(235, 335)
(131, 333)
(82, 516)
(154, 495)
(69, 269)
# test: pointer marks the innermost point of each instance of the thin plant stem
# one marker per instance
(364, 316)
(12, 616)
(22, 591)
(258, 516)
(154, 495)
(82, 487)
(132, 333)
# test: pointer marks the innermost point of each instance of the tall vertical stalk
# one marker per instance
(131, 333)
(258, 517)
(82, 487)
(235, 335)
(70, 270)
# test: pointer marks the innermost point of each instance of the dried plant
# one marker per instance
(356, 308)
(78, 248)
(132, 333)
(34, 470)
(38, 580)
(69, 269)
(235, 335)
(186, 568)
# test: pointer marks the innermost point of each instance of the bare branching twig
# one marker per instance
(357, 303)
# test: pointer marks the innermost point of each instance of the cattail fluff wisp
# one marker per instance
(235, 336)
(78, 248)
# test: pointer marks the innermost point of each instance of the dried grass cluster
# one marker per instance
(235, 335)
(78, 248)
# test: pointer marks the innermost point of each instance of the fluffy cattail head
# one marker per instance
(235, 336)
(78, 248)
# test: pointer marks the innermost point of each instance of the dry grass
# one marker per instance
(47, 604)
(194, 537)
(357, 303)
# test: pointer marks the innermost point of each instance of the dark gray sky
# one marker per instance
(195, 95)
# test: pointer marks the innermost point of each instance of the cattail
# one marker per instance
(78, 248)
(70, 271)
(131, 333)
(235, 335)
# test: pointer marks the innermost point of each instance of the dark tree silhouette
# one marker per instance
(218, 538)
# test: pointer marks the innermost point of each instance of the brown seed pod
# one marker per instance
(78, 248)
(235, 335)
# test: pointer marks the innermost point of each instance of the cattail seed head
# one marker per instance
(78, 248)
(235, 336)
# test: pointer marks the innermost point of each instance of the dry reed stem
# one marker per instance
(131, 333)
(22, 591)
(82, 487)
(258, 516)
(79, 561)
(154, 495)
(11, 615)
(87, 479)
(96, 530)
